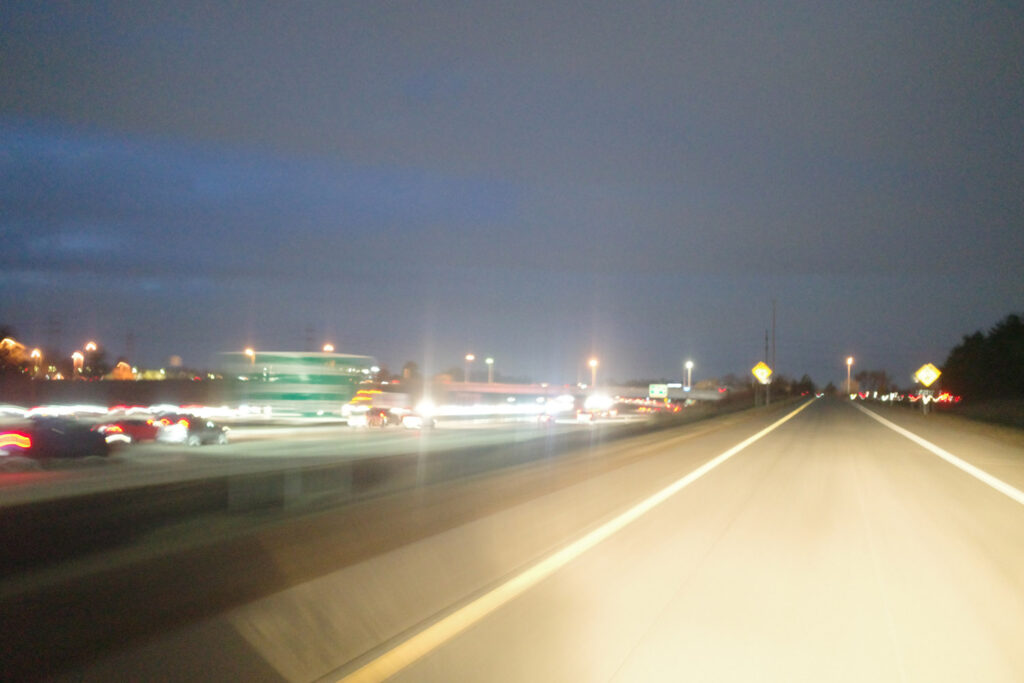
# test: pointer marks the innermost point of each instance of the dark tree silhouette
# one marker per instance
(11, 357)
(988, 365)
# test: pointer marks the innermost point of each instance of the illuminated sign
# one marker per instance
(927, 374)
(658, 391)
(762, 372)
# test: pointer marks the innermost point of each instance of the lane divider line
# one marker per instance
(979, 474)
(408, 651)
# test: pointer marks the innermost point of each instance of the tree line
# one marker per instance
(988, 365)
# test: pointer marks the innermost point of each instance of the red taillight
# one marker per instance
(16, 439)
(183, 422)
(114, 429)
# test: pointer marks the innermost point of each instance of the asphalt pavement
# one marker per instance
(832, 549)
(825, 546)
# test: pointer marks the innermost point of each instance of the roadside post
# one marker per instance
(763, 374)
(926, 375)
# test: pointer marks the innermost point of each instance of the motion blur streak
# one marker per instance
(407, 652)
(980, 475)
(15, 439)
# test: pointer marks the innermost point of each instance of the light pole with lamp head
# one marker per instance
(490, 369)
(593, 371)
(849, 364)
(469, 359)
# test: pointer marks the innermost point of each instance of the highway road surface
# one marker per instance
(251, 449)
(821, 541)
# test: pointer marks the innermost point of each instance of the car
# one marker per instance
(584, 416)
(129, 430)
(50, 437)
(370, 416)
(190, 430)
(414, 420)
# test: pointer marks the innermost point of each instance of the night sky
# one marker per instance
(537, 182)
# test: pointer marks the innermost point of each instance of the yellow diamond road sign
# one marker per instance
(762, 372)
(927, 374)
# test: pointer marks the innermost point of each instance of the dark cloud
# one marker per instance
(640, 178)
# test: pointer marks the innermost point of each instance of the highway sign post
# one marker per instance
(926, 375)
(763, 374)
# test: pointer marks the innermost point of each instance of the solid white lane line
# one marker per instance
(408, 651)
(979, 474)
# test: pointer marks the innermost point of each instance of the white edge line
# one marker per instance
(408, 651)
(979, 474)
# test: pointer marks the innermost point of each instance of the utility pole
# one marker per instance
(772, 365)
(768, 385)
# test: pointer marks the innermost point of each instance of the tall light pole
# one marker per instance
(90, 346)
(252, 355)
(849, 363)
(490, 369)
(469, 359)
(593, 371)
(77, 359)
(328, 348)
(689, 369)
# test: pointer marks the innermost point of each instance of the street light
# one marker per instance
(90, 346)
(469, 359)
(689, 368)
(37, 359)
(593, 371)
(328, 348)
(76, 361)
(849, 363)
(252, 355)
(490, 370)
